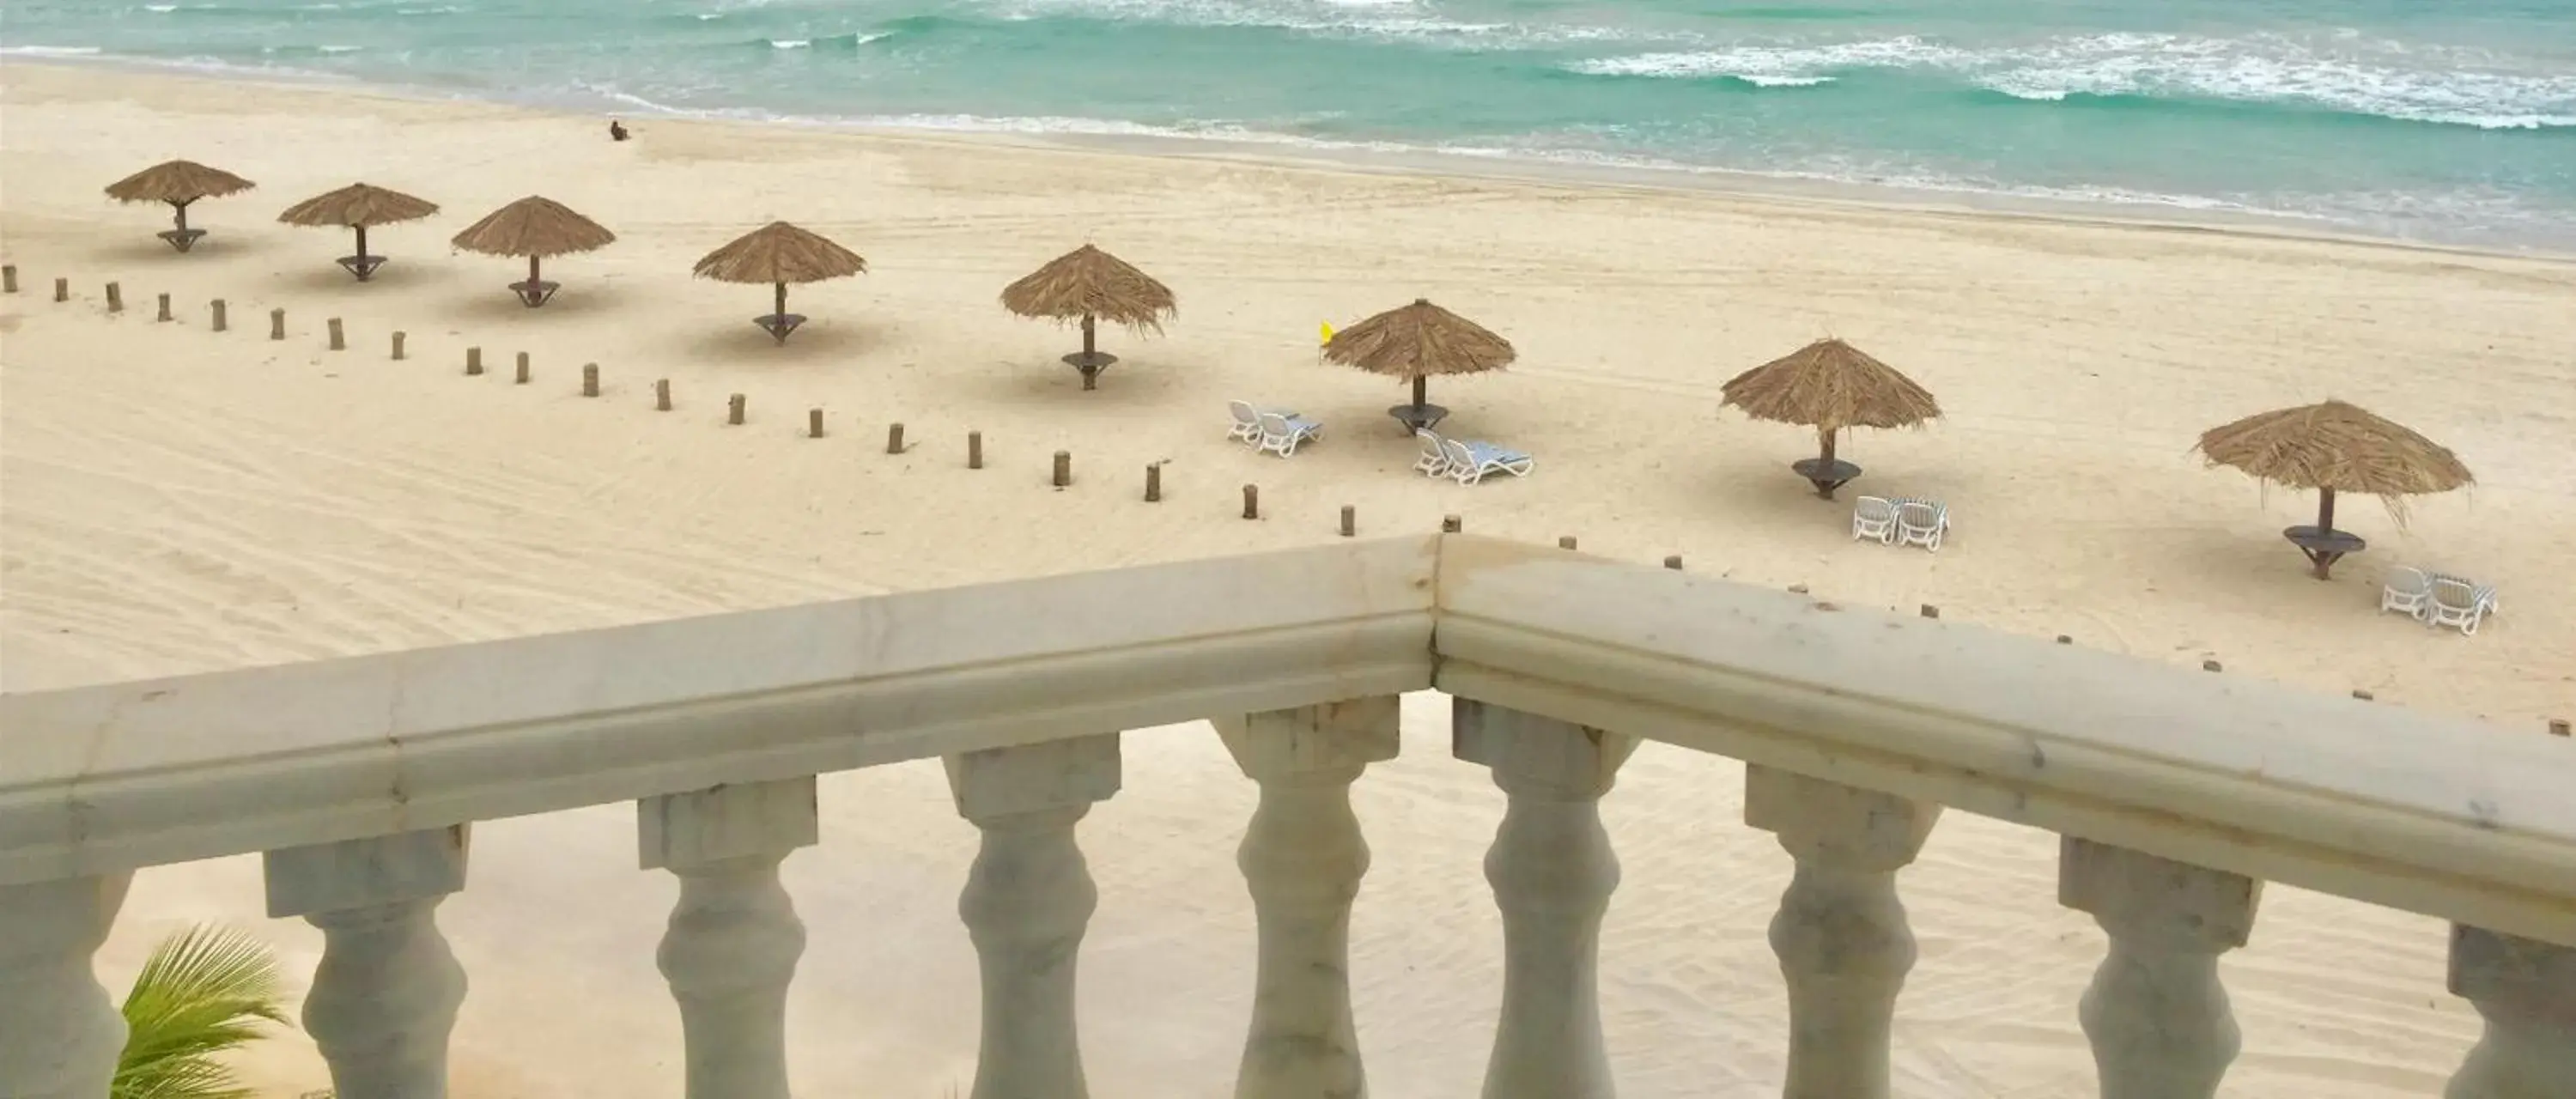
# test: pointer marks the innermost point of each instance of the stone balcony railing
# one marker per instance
(2177, 794)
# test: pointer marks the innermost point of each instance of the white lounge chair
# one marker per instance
(1921, 523)
(1875, 519)
(1469, 461)
(1247, 423)
(2407, 590)
(2457, 602)
(1435, 456)
(1282, 431)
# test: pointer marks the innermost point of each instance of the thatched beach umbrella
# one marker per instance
(1091, 285)
(534, 227)
(2334, 447)
(1830, 385)
(358, 206)
(178, 182)
(1415, 342)
(779, 253)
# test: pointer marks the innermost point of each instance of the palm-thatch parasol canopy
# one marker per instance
(1830, 385)
(1091, 285)
(2334, 447)
(358, 206)
(779, 253)
(178, 182)
(534, 227)
(1416, 341)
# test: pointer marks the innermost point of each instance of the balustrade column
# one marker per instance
(1028, 899)
(1841, 934)
(60, 1034)
(2526, 992)
(1552, 871)
(734, 938)
(1303, 858)
(384, 998)
(2156, 1014)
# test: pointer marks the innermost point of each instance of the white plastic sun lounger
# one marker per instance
(2407, 590)
(1873, 518)
(1921, 523)
(1470, 462)
(1435, 455)
(2457, 602)
(1282, 431)
(1247, 423)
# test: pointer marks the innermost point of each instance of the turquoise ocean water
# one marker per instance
(2438, 120)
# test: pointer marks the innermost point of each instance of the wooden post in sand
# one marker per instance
(661, 394)
(473, 361)
(1153, 482)
(2558, 727)
(339, 338)
(1350, 520)
(813, 423)
(522, 378)
(1565, 542)
(62, 289)
(894, 438)
(162, 310)
(1063, 468)
(974, 450)
(1930, 611)
(2211, 666)
(277, 324)
(115, 298)
(2064, 639)
(398, 346)
(733, 409)
(9, 279)
(1451, 524)
(590, 379)
(1673, 561)
(215, 310)
(2362, 695)
(1252, 501)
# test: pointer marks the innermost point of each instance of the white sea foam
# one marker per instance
(49, 51)
(2368, 80)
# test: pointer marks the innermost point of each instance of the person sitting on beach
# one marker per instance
(616, 130)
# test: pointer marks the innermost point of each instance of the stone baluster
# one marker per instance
(1027, 900)
(1840, 933)
(2526, 992)
(59, 1032)
(1552, 871)
(1303, 857)
(2155, 1012)
(734, 938)
(384, 998)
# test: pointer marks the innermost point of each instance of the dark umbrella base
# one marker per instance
(778, 325)
(1418, 417)
(362, 266)
(1090, 363)
(1826, 476)
(181, 239)
(2324, 547)
(534, 293)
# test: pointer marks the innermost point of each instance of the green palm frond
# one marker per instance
(203, 992)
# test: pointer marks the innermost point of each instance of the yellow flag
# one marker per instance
(1328, 332)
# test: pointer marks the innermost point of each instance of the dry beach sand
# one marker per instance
(178, 501)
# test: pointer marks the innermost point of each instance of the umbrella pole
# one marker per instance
(1421, 391)
(782, 299)
(1088, 349)
(532, 271)
(181, 210)
(362, 241)
(2325, 510)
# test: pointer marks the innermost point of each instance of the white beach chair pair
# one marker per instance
(1904, 521)
(1465, 461)
(2436, 599)
(1271, 432)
